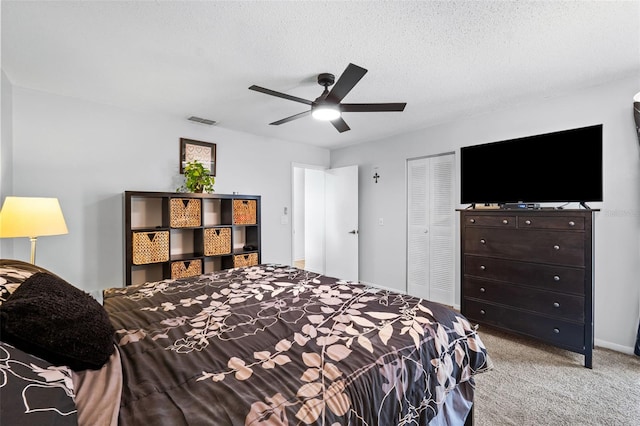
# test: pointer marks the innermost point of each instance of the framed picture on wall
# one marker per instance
(203, 152)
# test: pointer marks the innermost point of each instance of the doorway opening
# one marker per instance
(325, 220)
(308, 218)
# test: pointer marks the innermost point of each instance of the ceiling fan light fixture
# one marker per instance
(329, 106)
(326, 112)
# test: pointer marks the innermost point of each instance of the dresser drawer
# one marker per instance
(550, 277)
(561, 305)
(556, 247)
(568, 223)
(504, 221)
(552, 330)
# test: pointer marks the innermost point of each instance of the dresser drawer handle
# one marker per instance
(483, 241)
(472, 220)
(556, 330)
(556, 305)
(528, 222)
(556, 247)
(572, 223)
(505, 221)
(556, 278)
(483, 268)
(482, 290)
(482, 312)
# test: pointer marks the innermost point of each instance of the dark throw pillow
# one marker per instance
(51, 319)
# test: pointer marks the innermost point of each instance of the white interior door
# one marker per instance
(418, 248)
(431, 228)
(341, 223)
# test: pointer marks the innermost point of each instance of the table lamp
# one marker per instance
(31, 217)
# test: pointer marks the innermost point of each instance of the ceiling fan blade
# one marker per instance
(372, 107)
(349, 78)
(279, 94)
(291, 118)
(340, 125)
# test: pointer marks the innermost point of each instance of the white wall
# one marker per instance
(617, 248)
(88, 154)
(6, 151)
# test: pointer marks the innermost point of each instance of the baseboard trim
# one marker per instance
(614, 346)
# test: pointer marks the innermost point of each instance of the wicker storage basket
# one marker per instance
(189, 268)
(242, 260)
(150, 247)
(217, 241)
(244, 212)
(185, 212)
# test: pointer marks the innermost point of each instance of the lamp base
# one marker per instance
(33, 249)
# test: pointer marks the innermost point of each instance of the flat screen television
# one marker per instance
(563, 166)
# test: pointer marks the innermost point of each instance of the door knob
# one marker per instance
(353, 231)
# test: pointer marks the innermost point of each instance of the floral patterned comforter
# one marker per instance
(276, 345)
(34, 392)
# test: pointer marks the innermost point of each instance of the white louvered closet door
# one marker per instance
(431, 228)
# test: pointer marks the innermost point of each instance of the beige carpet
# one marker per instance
(535, 384)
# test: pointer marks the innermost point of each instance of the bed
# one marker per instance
(277, 345)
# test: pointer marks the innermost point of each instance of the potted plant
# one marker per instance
(197, 178)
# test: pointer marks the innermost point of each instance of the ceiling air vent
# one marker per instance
(202, 120)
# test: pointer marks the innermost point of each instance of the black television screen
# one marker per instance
(563, 166)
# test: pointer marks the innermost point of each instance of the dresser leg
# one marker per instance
(587, 360)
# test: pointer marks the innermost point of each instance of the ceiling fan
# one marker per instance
(328, 106)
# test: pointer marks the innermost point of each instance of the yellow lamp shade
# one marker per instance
(31, 217)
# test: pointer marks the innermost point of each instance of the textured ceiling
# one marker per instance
(445, 59)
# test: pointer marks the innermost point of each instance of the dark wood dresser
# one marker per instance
(530, 272)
